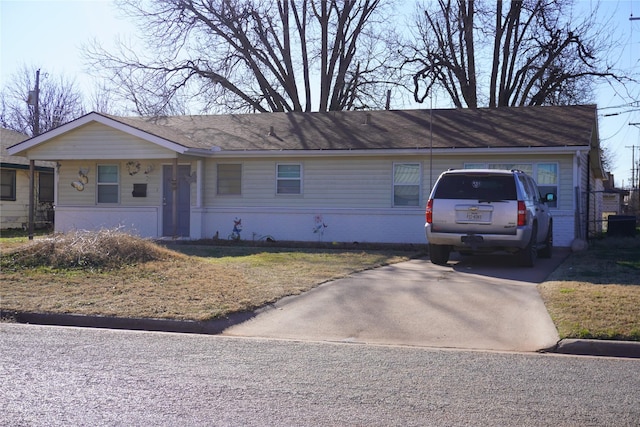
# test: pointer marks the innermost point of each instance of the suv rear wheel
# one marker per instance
(529, 253)
(548, 244)
(439, 254)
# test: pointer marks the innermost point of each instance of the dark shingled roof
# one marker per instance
(549, 126)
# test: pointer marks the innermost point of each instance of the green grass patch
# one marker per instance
(596, 293)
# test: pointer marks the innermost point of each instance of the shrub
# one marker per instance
(103, 249)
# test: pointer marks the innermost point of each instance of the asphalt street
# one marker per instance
(63, 376)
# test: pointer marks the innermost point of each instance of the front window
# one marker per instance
(45, 187)
(8, 185)
(108, 184)
(229, 179)
(524, 167)
(547, 180)
(406, 184)
(289, 179)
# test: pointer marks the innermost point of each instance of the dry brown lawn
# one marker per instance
(594, 294)
(181, 282)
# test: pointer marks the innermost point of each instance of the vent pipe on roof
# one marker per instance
(271, 131)
(367, 119)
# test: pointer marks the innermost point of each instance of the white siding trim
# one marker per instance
(143, 221)
(342, 225)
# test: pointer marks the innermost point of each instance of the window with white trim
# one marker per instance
(475, 166)
(406, 184)
(8, 185)
(108, 184)
(288, 179)
(524, 167)
(45, 187)
(547, 180)
(229, 179)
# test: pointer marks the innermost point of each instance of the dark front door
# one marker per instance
(183, 198)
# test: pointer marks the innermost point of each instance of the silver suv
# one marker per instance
(488, 210)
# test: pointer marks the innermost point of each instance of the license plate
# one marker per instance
(474, 216)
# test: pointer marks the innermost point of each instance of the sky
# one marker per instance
(50, 33)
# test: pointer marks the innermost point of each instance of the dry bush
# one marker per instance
(103, 249)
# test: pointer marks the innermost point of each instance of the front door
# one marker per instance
(184, 201)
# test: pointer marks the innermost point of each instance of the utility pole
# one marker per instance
(34, 100)
(635, 173)
(636, 167)
(633, 165)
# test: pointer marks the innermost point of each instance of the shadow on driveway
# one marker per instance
(479, 303)
(503, 266)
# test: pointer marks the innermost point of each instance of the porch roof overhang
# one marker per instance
(22, 148)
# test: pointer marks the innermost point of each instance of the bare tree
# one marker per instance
(59, 102)
(540, 53)
(253, 55)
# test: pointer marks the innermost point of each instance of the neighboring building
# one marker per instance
(338, 176)
(14, 186)
(612, 201)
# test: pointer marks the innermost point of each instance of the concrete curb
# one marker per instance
(608, 348)
(211, 327)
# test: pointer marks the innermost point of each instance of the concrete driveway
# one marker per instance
(482, 303)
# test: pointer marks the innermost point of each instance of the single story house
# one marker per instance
(339, 176)
(14, 186)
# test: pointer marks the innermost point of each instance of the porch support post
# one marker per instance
(32, 182)
(174, 191)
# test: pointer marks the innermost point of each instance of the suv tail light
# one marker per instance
(522, 213)
(429, 211)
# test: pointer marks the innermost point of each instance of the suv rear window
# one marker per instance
(476, 187)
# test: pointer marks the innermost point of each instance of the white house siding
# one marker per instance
(79, 209)
(335, 225)
(337, 183)
(97, 141)
(140, 221)
(70, 172)
(351, 196)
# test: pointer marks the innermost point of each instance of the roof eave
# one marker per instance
(382, 152)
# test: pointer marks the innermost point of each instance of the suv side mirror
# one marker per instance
(549, 197)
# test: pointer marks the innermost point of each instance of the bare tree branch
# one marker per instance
(541, 53)
(255, 55)
(59, 101)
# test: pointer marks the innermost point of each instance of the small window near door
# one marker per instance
(8, 185)
(108, 184)
(45, 187)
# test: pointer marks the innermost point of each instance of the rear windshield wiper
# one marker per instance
(492, 201)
